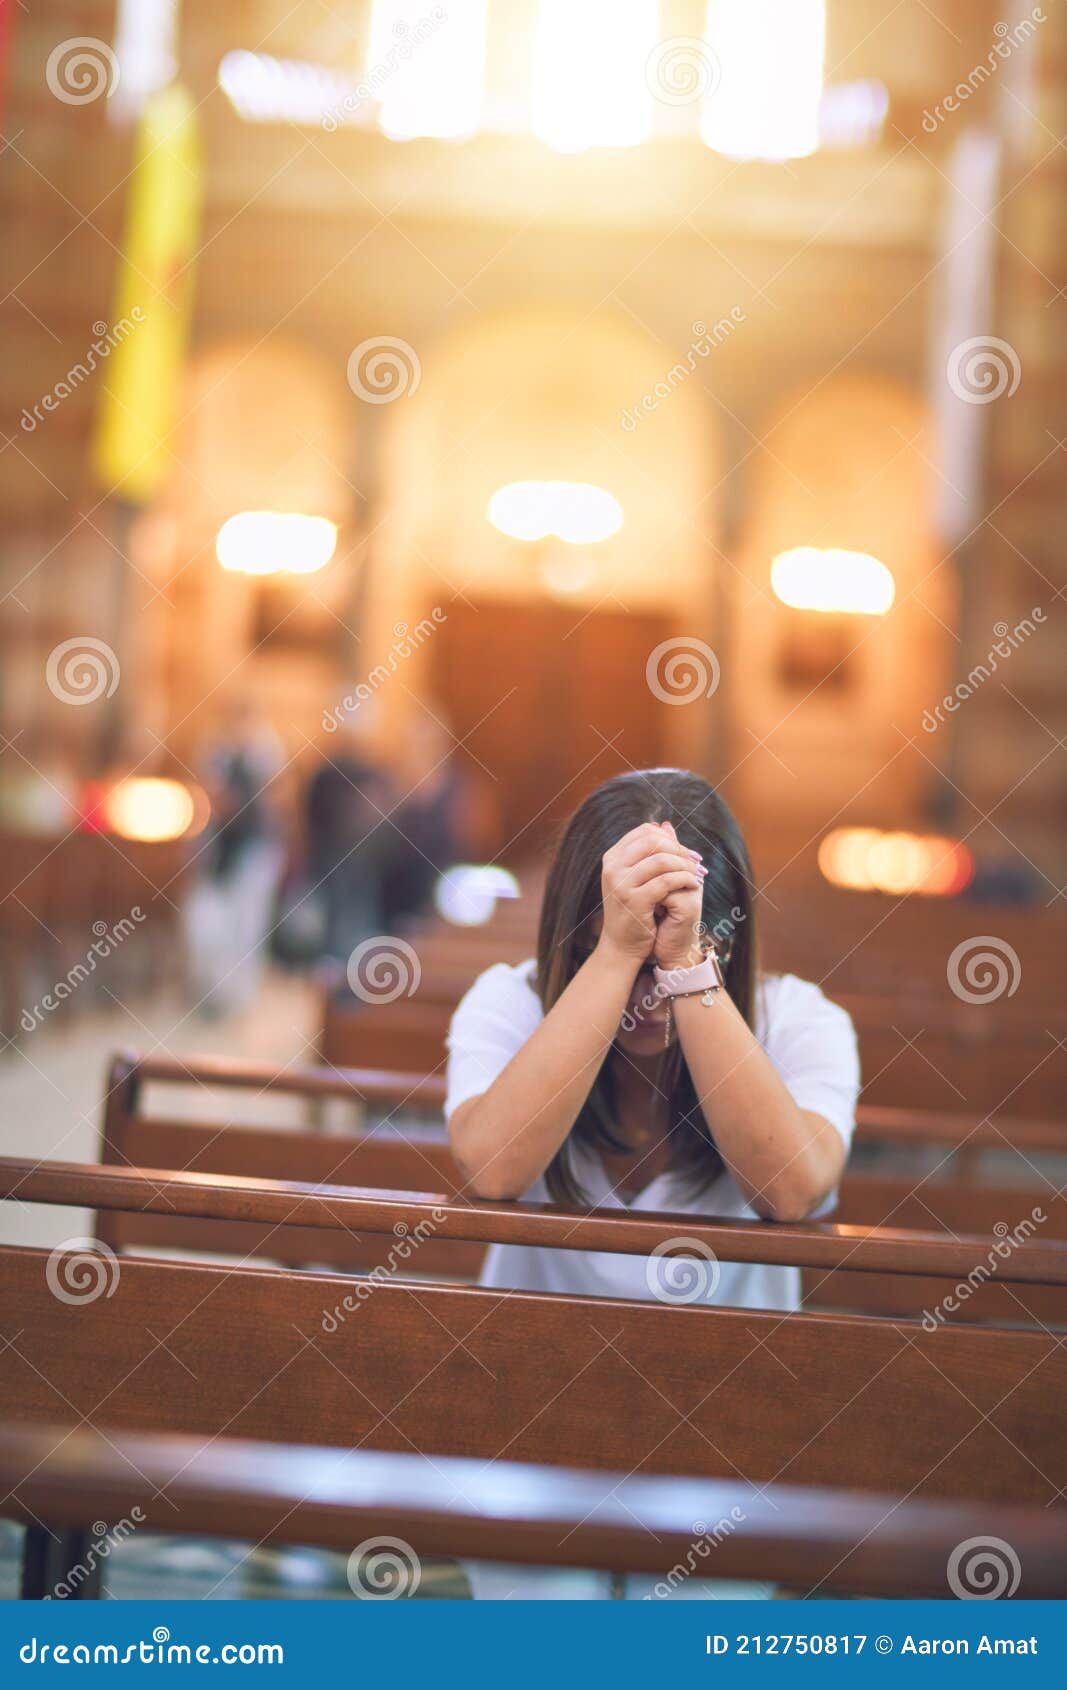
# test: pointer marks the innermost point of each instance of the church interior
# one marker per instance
(417, 416)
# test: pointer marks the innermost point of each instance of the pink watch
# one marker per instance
(706, 977)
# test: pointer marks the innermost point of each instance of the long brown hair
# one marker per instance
(572, 903)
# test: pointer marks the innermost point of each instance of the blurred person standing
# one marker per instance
(348, 839)
(435, 825)
(238, 864)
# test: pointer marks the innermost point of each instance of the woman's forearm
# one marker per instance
(784, 1158)
(505, 1138)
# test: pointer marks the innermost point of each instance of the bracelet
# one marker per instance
(705, 977)
(702, 981)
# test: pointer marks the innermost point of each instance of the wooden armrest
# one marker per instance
(368, 1085)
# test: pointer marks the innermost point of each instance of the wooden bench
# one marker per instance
(420, 1160)
(947, 1058)
(810, 1399)
(74, 1477)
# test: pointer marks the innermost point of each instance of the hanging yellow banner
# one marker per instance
(153, 301)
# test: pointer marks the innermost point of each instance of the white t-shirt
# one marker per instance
(811, 1043)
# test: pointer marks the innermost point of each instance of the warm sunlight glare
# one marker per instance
(589, 73)
(768, 57)
(426, 64)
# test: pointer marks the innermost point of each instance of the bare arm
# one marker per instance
(785, 1159)
(504, 1139)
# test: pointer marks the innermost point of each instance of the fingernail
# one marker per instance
(697, 854)
(701, 870)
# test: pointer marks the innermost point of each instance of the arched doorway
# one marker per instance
(541, 648)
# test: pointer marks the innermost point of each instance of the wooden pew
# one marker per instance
(73, 1477)
(420, 1160)
(942, 1058)
(973, 1414)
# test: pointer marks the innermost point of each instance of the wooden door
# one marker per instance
(548, 700)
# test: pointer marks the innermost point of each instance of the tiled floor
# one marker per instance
(52, 1079)
(144, 1568)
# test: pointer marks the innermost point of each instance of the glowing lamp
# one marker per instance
(574, 511)
(466, 895)
(150, 810)
(839, 582)
(275, 543)
(869, 859)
